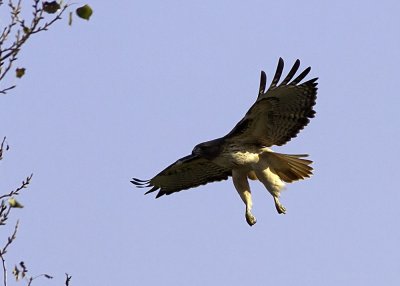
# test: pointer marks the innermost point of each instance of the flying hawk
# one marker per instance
(276, 117)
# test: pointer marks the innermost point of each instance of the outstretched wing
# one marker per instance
(281, 112)
(188, 172)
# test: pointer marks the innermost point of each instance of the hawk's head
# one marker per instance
(209, 149)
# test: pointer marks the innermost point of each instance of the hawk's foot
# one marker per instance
(251, 220)
(279, 207)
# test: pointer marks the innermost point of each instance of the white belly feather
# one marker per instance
(241, 156)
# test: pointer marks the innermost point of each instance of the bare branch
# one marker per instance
(2, 147)
(3, 262)
(24, 184)
(67, 279)
(4, 251)
(4, 91)
(30, 280)
(15, 10)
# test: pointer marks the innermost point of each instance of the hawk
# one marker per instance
(276, 117)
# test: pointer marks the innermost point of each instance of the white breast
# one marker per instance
(244, 155)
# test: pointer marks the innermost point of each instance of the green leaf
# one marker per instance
(19, 72)
(51, 7)
(84, 12)
(14, 203)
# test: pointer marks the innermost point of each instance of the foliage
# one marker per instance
(14, 35)
(84, 12)
(12, 38)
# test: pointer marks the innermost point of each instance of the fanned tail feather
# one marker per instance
(290, 167)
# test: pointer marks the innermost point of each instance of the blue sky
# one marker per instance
(136, 87)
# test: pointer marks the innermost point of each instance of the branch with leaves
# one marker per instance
(5, 210)
(14, 35)
(12, 39)
(20, 272)
(9, 202)
(12, 202)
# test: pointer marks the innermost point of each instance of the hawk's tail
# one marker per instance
(289, 167)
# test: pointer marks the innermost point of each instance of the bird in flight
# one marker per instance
(276, 117)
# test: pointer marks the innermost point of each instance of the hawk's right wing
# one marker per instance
(279, 113)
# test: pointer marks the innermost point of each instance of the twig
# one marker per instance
(4, 91)
(4, 251)
(3, 261)
(22, 32)
(4, 209)
(30, 280)
(17, 190)
(67, 279)
(33, 29)
(2, 147)
(15, 10)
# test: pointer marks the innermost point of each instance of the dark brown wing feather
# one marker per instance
(188, 172)
(281, 112)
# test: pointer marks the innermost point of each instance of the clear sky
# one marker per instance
(136, 87)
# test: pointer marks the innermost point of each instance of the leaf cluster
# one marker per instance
(20, 28)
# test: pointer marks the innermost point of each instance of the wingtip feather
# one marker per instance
(291, 73)
(278, 73)
(263, 82)
(153, 189)
(139, 183)
(160, 194)
(301, 76)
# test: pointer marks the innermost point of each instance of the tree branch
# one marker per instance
(4, 250)
(24, 184)
(22, 32)
(2, 147)
(4, 209)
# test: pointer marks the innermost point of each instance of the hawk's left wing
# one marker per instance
(188, 172)
(279, 113)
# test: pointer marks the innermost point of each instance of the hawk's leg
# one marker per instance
(274, 185)
(242, 186)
